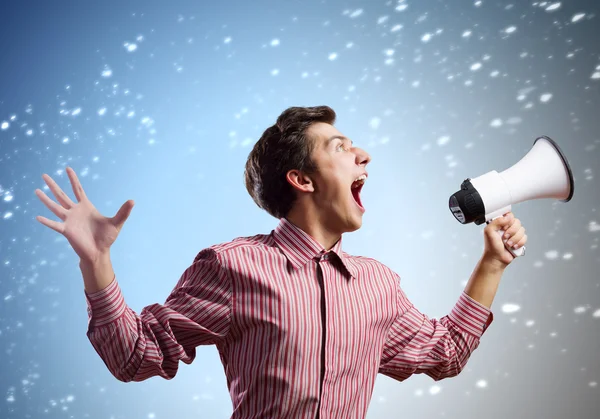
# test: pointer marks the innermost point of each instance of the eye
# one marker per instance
(341, 145)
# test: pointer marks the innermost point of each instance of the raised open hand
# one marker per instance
(90, 233)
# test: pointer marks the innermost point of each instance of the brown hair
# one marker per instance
(283, 147)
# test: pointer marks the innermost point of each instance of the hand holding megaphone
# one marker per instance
(501, 236)
(543, 172)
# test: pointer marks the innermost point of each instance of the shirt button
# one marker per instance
(325, 256)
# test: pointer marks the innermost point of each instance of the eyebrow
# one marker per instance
(341, 137)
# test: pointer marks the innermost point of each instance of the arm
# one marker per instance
(136, 347)
(440, 348)
(483, 284)
(484, 281)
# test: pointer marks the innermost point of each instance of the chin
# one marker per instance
(354, 224)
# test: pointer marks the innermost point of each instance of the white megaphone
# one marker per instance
(544, 172)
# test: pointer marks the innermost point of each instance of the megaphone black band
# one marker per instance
(466, 205)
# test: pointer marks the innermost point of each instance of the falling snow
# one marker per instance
(509, 308)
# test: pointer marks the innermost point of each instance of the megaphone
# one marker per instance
(543, 172)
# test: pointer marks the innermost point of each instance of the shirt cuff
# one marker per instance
(106, 305)
(471, 316)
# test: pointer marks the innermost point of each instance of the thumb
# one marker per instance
(123, 213)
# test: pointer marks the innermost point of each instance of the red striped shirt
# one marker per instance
(276, 306)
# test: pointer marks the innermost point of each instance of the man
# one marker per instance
(302, 327)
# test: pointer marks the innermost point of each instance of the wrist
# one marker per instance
(492, 263)
(101, 258)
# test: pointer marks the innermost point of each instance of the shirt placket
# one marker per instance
(320, 280)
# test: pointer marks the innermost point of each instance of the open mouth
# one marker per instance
(356, 188)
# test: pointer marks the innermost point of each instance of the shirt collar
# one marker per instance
(299, 247)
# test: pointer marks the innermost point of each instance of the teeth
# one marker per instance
(359, 181)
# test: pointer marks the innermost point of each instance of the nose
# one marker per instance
(362, 157)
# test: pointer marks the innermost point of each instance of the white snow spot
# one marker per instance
(529, 323)
(101, 111)
(426, 37)
(481, 383)
(510, 29)
(382, 19)
(389, 52)
(466, 34)
(496, 123)
(580, 309)
(227, 40)
(4, 125)
(130, 47)
(568, 256)
(553, 6)
(374, 122)
(545, 97)
(76, 111)
(596, 313)
(593, 227)
(577, 17)
(107, 72)
(356, 13)
(475, 67)
(435, 389)
(401, 7)
(275, 72)
(510, 308)
(443, 140)
(396, 28)
(332, 56)
(596, 75)
(494, 73)
(551, 254)
(275, 42)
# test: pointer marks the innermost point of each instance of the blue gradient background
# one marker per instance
(182, 112)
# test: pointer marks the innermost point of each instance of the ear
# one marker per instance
(300, 181)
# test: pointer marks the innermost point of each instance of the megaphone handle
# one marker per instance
(515, 252)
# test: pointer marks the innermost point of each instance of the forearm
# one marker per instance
(97, 275)
(484, 281)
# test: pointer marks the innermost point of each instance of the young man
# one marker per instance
(302, 327)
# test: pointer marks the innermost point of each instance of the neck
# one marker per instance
(311, 222)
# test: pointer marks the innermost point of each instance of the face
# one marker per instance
(331, 189)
